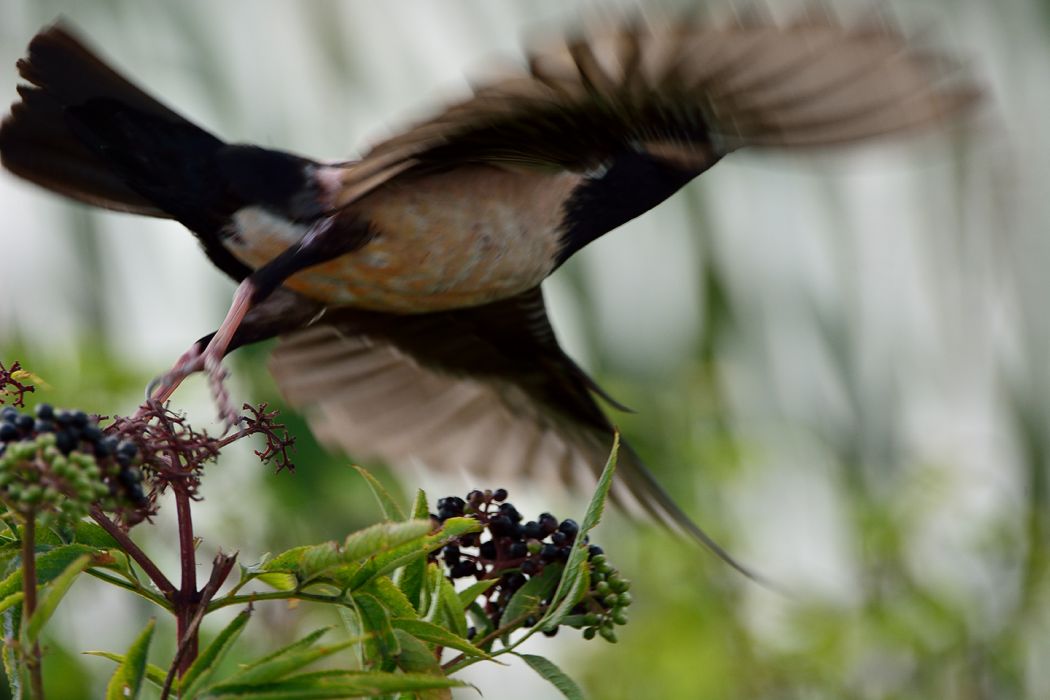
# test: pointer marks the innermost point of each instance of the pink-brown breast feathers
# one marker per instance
(444, 241)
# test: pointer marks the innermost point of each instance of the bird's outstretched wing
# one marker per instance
(486, 389)
(687, 93)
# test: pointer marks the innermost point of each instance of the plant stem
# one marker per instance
(145, 563)
(33, 662)
(249, 598)
(187, 600)
(220, 570)
(452, 664)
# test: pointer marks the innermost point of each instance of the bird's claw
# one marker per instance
(192, 361)
(217, 375)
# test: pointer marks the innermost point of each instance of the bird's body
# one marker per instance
(406, 284)
(426, 250)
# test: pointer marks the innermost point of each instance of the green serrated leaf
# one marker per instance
(391, 597)
(527, 599)
(432, 591)
(49, 564)
(569, 585)
(201, 670)
(376, 622)
(279, 581)
(11, 600)
(126, 681)
(554, 675)
(469, 594)
(391, 509)
(451, 611)
(580, 585)
(342, 684)
(417, 658)
(601, 493)
(287, 560)
(154, 674)
(409, 552)
(429, 632)
(410, 578)
(352, 625)
(93, 535)
(51, 596)
(12, 620)
(383, 537)
(289, 661)
(420, 508)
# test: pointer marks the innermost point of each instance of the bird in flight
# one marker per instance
(405, 286)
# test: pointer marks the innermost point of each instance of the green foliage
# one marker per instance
(402, 614)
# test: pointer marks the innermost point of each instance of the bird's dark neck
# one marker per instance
(634, 183)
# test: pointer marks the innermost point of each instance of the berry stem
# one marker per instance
(186, 600)
(141, 558)
(33, 661)
(220, 570)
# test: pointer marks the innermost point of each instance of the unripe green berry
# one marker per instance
(603, 588)
(590, 619)
(589, 633)
(607, 634)
(610, 600)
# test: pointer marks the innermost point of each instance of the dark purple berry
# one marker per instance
(45, 411)
(548, 523)
(44, 426)
(24, 422)
(8, 432)
(517, 550)
(532, 531)
(92, 434)
(511, 512)
(106, 446)
(9, 414)
(549, 552)
(488, 550)
(529, 567)
(499, 495)
(500, 526)
(79, 420)
(594, 550)
(127, 448)
(65, 442)
(130, 477)
(559, 538)
(462, 569)
(569, 527)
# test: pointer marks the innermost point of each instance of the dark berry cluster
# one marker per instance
(61, 462)
(513, 552)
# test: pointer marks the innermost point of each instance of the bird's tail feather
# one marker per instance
(86, 132)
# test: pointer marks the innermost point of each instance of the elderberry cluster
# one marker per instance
(514, 552)
(57, 464)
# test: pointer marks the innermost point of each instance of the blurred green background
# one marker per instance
(839, 362)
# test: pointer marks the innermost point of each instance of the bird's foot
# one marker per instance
(209, 361)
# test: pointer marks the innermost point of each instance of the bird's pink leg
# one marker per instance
(210, 359)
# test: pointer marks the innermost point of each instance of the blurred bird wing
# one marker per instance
(486, 390)
(686, 92)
